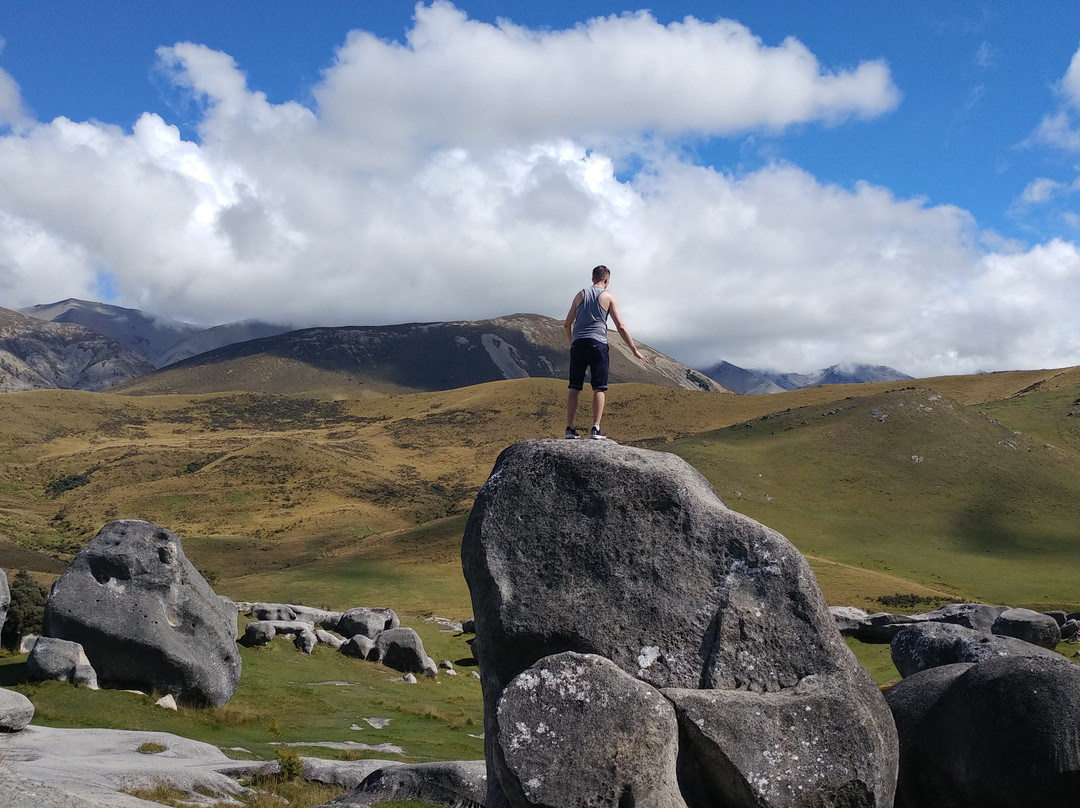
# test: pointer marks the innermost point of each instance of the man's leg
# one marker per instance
(571, 407)
(599, 397)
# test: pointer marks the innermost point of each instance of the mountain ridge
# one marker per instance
(410, 357)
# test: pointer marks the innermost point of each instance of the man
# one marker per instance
(586, 331)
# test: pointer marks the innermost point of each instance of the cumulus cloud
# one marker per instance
(473, 172)
(467, 83)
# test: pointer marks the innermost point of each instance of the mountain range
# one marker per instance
(159, 340)
(757, 382)
(87, 345)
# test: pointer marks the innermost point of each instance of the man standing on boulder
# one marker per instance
(586, 331)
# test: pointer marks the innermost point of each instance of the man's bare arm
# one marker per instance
(620, 326)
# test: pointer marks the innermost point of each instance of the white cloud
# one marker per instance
(1059, 128)
(476, 177)
(1070, 85)
(460, 82)
(1040, 190)
(12, 111)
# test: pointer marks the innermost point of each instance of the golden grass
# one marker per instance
(343, 481)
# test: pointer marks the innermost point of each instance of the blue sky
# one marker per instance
(783, 185)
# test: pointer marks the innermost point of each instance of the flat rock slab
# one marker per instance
(93, 765)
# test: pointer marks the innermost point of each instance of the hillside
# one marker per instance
(886, 489)
(414, 357)
(37, 355)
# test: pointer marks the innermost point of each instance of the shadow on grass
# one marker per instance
(13, 674)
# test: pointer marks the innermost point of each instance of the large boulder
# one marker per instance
(578, 730)
(403, 650)
(145, 616)
(62, 661)
(455, 784)
(927, 645)
(996, 734)
(977, 616)
(366, 621)
(770, 747)
(290, 612)
(1029, 626)
(629, 554)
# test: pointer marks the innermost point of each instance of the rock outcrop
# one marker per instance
(626, 554)
(145, 616)
(998, 733)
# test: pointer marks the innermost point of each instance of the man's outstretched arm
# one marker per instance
(624, 332)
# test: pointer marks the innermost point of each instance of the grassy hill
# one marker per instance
(885, 488)
(957, 487)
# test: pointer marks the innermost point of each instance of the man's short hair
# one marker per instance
(600, 274)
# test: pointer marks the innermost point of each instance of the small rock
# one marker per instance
(167, 702)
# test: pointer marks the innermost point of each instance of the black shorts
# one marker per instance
(591, 354)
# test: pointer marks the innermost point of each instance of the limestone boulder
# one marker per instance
(62, 661)
(928, 645)
(369, 622)
(628, 554)
(1001, 733)
(910, 701)
(977, 616)
(577, 730)
(879, 627)
(326, 638)
(358, 646)
(145, 616)
(403, 650)
(258, 632)
(16, 711)
(1029, 626)
(289, 612)
(454, 784)
(803, 745)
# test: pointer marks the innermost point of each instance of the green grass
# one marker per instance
(285, 696)
(416, 571)
(925, 490)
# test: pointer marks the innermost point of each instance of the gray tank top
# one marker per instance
(591, 320)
